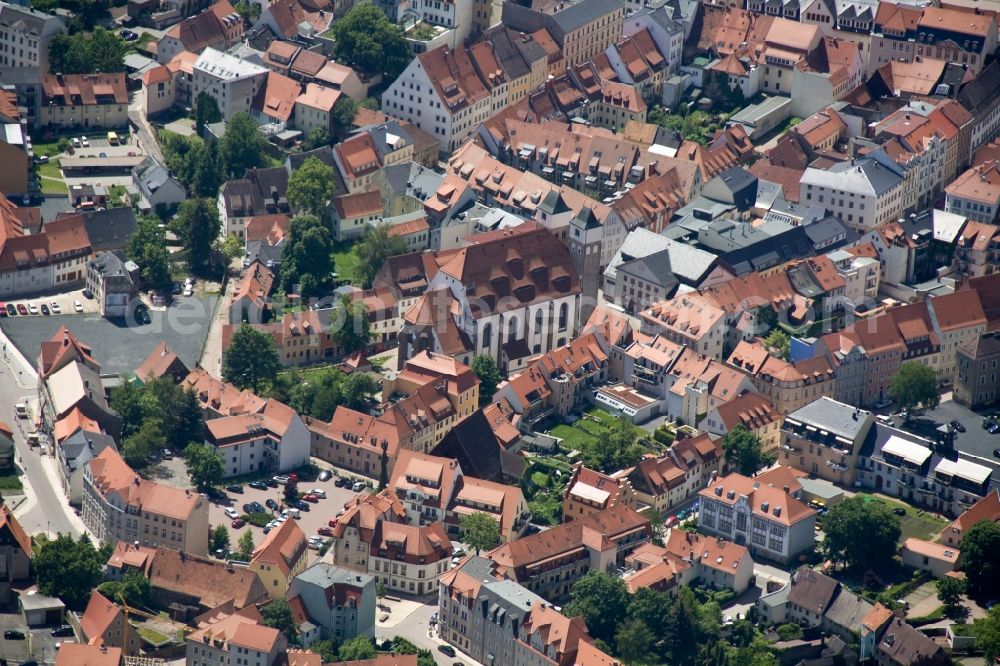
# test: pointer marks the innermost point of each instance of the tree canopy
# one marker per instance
(988, 635)
(80, 53)
(373, 250)
(615, 448)
(325, 389)
(310, 187)
(147, 247)
(250, 359)
(278, 615)
(485, 368)
(480, 531)
(204, 465)
(244, 547)
(861, 533)
(351, 329)
(367, 39)
(978, 559)
(172, 408)
(197, 223)
(914, 384)
(357, 648)
(206, 110)
(69, 569)
(307, 258)
(779, 340)
(242, 145)
(602, 600)
(744, 451)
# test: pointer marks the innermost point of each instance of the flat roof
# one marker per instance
(911, 452)
(964, 469)
(590, 493)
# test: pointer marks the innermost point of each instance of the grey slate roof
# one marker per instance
(583, 12)
(653, 268)
(109, 264)
(323, 575)
(79, 441)
(109, 229)
(834, 417)
(689, 264)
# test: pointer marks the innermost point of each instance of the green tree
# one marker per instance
(380, 590)
(978, 559)
(485, 368)
(367, 39)
(197, 222)
(147, 247)
(860, 533)
(149, 438)
(245, 546)
(357, 648)
(206, 171)
(344, 111)
(376, 246)
(603, 602)
(480, 531)
(204, 465)
(278, 615)
(291, 491)
(307, 258)
(126, 401)
(220, 539)
(230, 247)
(249, 12)
(988, 635)
(326, 649)
(251, 358)
(650, 607)
(352, 332)
(615, 448)
(778, 339)
(317, 138)
(744, 451)
(914, 384)
(206, 111)
(310, 187)
(80, 53)
(242, 145)
(137, 589)
(950, 591)
(635, 642)
(69, 569)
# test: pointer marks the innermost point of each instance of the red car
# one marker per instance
(22, 309)
(333, 522)
(293, 477)
(237, 523)
(325, 531)
(309, 497)
(670, 522)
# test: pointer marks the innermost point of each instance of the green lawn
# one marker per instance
(926, 526)
(572, 436)
(345, 262)
(51, 178)
(153, 637)
(9, 480)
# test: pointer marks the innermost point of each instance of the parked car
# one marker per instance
(78, 306)
(447, 650)
(85, 142)
(257, 507)
(168, 454)
(318, 492)
(235, 488)
(63, 630)
(45, 309)
(300, 505)
(341, 482)
(309, 497)
(325, 475)
(957, 425)
(13, 635)
(22, 309)
(293, 477)
(280, 479)
(258, 485)
(271, 504)
(899, 511)
(271, 483)
(32, 308)
(11, 310)
(358, 486)
(993, 429)
(325, 531)
(248, 508)
(75, 141)
(996, 453)
(237, 523)
(231, 513)
(88, 294)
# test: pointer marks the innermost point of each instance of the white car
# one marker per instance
(55, 307)
(85, 142)
(188, 291)
(318, 492)
(75, 141)
(358, 486)
(32, 308)
(78, 306)
(231, 513)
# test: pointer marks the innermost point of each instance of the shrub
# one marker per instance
(789, 632)
(258, 519)
(663, 436)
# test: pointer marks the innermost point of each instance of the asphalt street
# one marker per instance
(46, 508)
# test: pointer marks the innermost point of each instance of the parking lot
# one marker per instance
(310, 521)
(64, 301)
(39, 643)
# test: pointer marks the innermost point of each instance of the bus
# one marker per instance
(112, 138)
